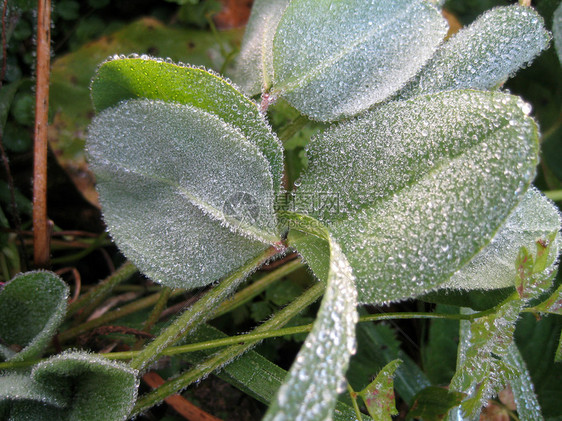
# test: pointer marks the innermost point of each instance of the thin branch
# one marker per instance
(40, 224)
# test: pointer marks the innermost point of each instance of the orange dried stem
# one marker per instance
(40, 223)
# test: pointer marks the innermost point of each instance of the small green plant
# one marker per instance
(417, 185)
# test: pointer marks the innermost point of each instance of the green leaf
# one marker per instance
(534, 218)
(482, 366)
(433, 403)
(334, 59)
(528, 408)
(71, 386)
(377, 345)
(253, 374)
(439, 354)
(96, 389)
(425, 191)
(254, 69)
(21, 387)
(317, 376)
(484, 54)
(32, 306)
(128, 78)
(552, 304)
(537, 341)
(185, 195)
(558, 355)
(557, 30)
(379, 395)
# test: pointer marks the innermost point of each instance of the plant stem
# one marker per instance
(155, 314)
(554, 195)
(40, 224)
(228, 354)
(353, 396)
(292, 128)
(113, 315)
(256, 335)
(124, 272)
(198, 312)
(256, 287)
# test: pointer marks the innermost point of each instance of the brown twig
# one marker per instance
(77, 281)
(185, 408)
(40, 224)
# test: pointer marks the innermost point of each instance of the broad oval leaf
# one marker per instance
(379, 394)
(426, 190)
(132, 78)
(317, 376)
(557, 30)
(95, 389)
(254, 67)
(334, 59)
(32, 306)
(185, 195)
(533, 219)
(484, 54)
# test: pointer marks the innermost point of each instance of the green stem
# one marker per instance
(292, 128)
(155, 314)
(257, 287)
(113, 315)
(353, 396)
(554, 195)
(198, 312)
(98, 242)
(124, 272)
(249, 338)
(228, 354)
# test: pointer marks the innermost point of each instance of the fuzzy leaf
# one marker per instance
(379, 395)
(32, 306)
(558, 355)
(482, 366)
(533, 219)
(317, 376)
(425, 190)
(484, 54)
(185, 195)
(70, 387)
(557, 30)
(254, 69)
(96, 389)
(334, 59)
(528, 408)
(131, 78)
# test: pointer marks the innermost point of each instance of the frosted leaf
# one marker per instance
(528, 408)
(483, 367)
(21, 387)
(185, 195)
(426, 189)
(314, 381)
(334, 59)
(379, 394)
(254, 67)
(32, 306)
(484, 54)
(552, 304)
(96, 389)
(557, 30)
(533, 219)
(131, 78)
